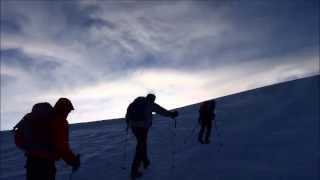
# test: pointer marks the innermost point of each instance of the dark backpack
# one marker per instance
(34, 129)
(136, 110)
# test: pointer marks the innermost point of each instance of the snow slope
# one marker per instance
(269, 133)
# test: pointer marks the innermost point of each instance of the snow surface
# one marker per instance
(270, 133)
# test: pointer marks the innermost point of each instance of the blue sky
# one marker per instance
(103, 54)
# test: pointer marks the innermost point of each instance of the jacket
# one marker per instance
(143, 118)
(61, 141)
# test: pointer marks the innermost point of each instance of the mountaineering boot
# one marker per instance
(146, 164)
(135, 174)
(200, 140)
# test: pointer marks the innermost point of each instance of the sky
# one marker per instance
(103, 54)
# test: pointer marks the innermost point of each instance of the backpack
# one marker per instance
(136, 110)
(33, 130)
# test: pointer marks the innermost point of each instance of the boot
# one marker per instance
(146, 164)
(135, 174)
(200, 140)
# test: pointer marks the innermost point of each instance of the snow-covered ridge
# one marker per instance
(266, 133)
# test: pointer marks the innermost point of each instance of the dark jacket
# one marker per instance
(61, 141)
(206, 112)
(56, 137)
(143, 118)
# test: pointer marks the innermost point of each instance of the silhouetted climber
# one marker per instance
(139, 119)
(43, 136)
(61, 110)
(206, 116)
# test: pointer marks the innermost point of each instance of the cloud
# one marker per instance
(17, 58)
(103, 54)
(174, 88)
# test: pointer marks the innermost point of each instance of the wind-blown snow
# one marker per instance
(267, 133)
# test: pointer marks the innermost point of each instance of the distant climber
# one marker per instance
(139, 119)
(206, 116)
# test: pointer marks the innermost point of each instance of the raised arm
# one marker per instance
(162, 111)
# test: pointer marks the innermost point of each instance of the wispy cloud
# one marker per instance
(102, 54)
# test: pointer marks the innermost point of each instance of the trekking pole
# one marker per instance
(173, 145)
(216, 128)
(125, 154)
(216, 131)
(190, 135)
(175, 123)
(73, 168)
(70, 176)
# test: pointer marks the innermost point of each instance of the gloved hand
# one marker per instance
(174, 114)
(76, 164)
